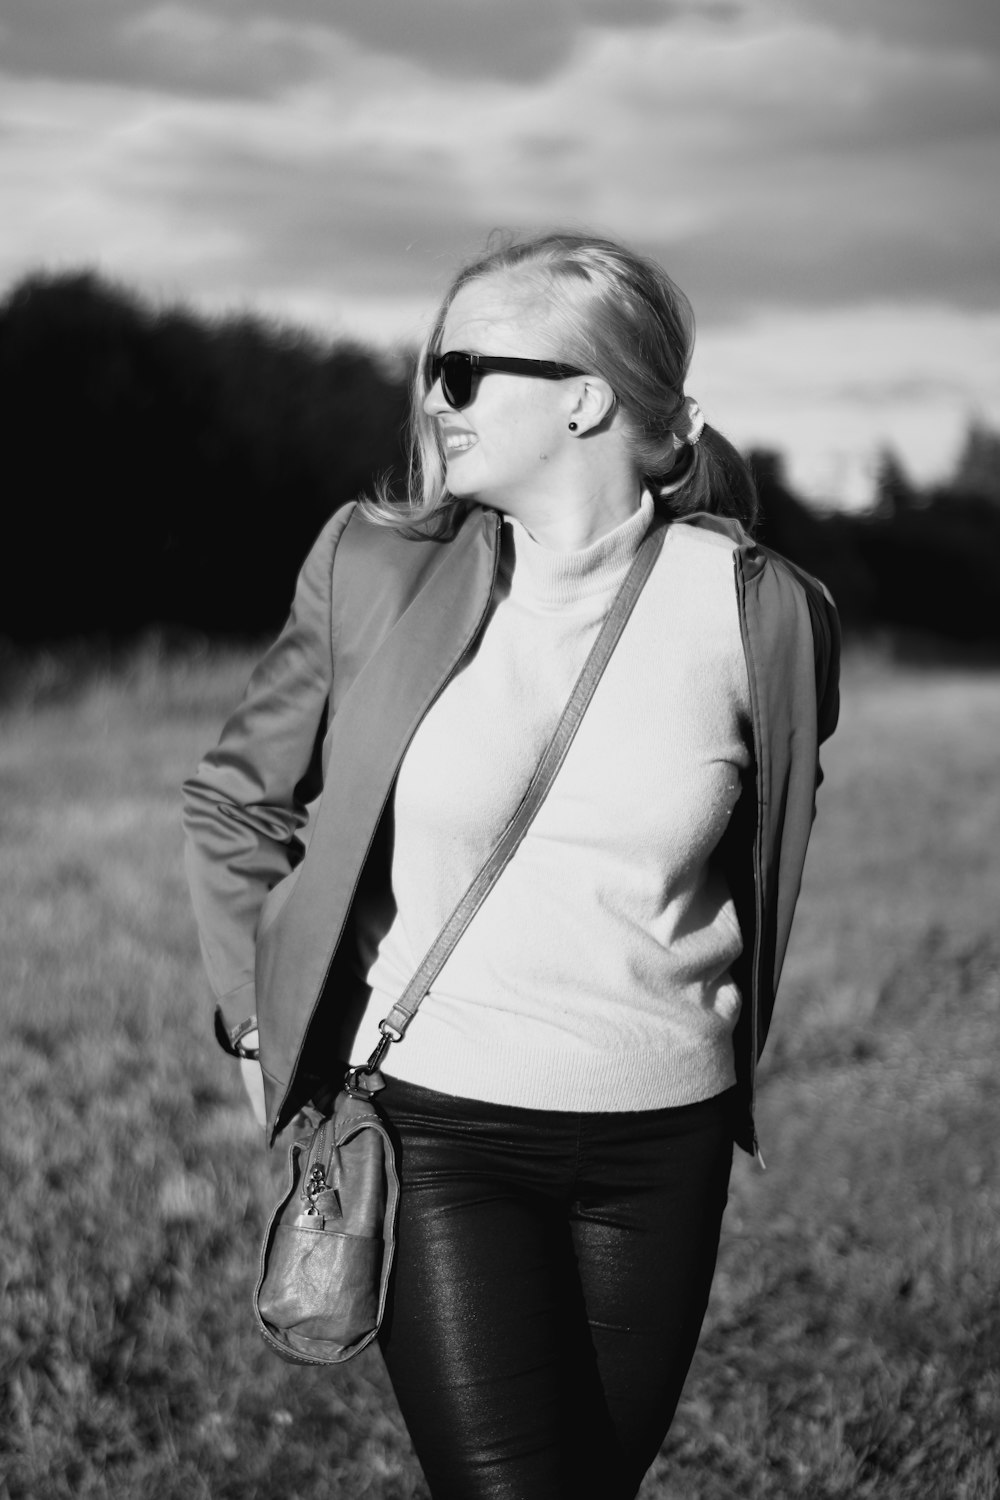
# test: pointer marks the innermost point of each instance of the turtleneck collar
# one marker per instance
(542, 575)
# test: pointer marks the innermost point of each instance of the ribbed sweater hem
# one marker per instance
(584, 1080)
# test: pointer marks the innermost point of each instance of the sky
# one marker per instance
(822, 177)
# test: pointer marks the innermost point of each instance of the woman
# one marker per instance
(567, 1099)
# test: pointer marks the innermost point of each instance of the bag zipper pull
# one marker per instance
(315, 1186)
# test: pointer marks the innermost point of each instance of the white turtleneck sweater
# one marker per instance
(595, 977)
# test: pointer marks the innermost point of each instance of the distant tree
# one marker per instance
(823, 544)
(935, 565)
(894, 491)
(978, 469)
(786, 523)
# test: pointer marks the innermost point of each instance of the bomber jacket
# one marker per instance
(378, 625)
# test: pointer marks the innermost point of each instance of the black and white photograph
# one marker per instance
(500, 750)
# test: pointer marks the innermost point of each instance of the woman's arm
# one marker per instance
(246, 803)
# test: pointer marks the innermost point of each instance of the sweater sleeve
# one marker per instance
(246, 804)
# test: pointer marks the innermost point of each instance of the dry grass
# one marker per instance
(852, 1344)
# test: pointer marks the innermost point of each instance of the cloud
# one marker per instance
(794, 168)
(935, 25)
(179, 49)
(828, 232)
(517, 40)
(252, 48)
(783, 167)
(364, 225)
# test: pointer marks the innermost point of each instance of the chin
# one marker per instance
(460, 486)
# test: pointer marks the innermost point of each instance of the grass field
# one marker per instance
(853, 1343)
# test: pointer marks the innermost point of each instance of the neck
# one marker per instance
(575, 515)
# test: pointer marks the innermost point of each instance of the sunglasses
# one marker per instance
(457, 372)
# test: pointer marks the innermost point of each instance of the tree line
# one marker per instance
(167, 470)
(922, 564)
(164, 469)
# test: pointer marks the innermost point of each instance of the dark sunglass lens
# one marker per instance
(456, 380)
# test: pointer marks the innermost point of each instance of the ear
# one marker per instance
(593, 404)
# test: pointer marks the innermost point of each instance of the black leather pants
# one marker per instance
(551, 1279)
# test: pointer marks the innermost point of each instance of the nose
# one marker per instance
(434, 402)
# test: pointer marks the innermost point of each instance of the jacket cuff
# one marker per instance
(230, 1039)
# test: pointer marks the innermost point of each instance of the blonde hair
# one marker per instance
(610, 312)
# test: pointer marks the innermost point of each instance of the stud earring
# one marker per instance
(572, 427)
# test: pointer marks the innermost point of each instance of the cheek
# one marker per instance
(530, 432)
(516, 430)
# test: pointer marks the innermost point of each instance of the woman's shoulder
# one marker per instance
(350, 537)
(374, 571)
(709, 535)
(366, 532)
(324, 548)
(786, 590)
(704, 545)
(704, 532)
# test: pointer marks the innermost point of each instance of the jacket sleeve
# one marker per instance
(825, 624)
(826, 653)
(246, 804)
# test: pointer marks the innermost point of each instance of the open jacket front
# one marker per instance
(378, 625)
